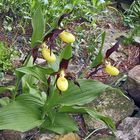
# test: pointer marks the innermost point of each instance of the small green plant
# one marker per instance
(130, 38)
(49, 93)
(6, 57)
(12, 11)
(132, 15)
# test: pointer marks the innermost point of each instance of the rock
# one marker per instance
(70, 136)
(111, 104)
(135, 74)
(117, 81)
(129, 129)
(115, 56)
(46, 137)
(12, 135)
(101, 134)
(132, 85)
(110, 38)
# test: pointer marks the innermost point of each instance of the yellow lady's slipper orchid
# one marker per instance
(62, 83)
(67, 37)
(111, 70)
(47, 55)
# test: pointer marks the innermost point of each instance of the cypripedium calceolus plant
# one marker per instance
(67, 37)
(47, 54)
(39, 104)
(111, 70)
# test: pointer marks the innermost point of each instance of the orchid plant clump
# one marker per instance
(44, 96)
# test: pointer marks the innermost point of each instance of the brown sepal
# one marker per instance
(111, 50)
(50, 37)
(64, 64)
(63, 16)
(35, 54)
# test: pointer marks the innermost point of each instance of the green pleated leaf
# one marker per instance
(66, 53)
(7, 88)
(88, 91)
(62, 123)
(30, 100)
(36, 71)
(38, 24)
(27, 80)
(92, 112)
(97, 60)
(28, 86)
(55, 65)
(72, 109)
(99, 56)
(107, 120)
(35, 92)
(21, 115)
(4, 101)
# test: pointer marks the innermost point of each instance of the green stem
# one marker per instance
(47, 106)
(16, 89)
(19, 80)
(86, 138)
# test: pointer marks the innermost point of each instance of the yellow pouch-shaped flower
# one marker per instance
(47, 55)
(67, 37)
(111, 70)
(62, 83)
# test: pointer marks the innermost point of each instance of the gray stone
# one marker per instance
(45, 137)
(12, 135)
(69, 136)
(129, 129)
(110, 39)
(135, 73)
(52, 136)
(132, 85)
(111, 104)
(115, 56)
